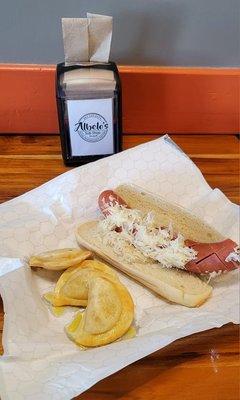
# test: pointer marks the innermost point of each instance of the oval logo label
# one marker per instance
(92, 127)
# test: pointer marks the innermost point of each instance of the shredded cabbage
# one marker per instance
(234, 255)
(141, 231)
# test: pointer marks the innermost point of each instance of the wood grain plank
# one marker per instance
(30, 144)
(29, 161)
(155, 99)
(174, 384)
(223, 145)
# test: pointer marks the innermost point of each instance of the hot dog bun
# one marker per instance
(174, 285)
(184, 222)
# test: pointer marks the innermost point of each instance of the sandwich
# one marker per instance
(159, 244)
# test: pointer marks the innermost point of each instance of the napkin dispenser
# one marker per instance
(89, 111)
(88, 91)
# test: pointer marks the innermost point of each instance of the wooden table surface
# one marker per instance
(204, 366)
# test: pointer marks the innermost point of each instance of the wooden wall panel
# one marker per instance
(155, 100)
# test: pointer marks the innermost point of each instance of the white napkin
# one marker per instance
(40, 362)
(87, 39)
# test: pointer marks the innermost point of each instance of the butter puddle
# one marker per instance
(71, 328)
(57, 311)
(131, 333)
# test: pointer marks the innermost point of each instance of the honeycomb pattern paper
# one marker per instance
(39, 361)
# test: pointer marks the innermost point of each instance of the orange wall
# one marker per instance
(155, 99)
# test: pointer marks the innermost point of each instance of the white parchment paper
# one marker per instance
(39, 361)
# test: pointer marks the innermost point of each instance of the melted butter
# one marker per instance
(58, 311)
(72, 327)
(131, 333)
(49, 297)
